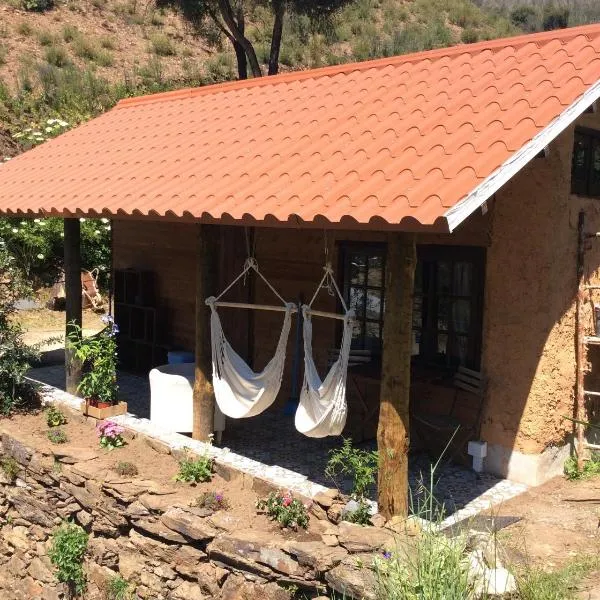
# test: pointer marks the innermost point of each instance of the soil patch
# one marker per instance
(153, 466)
(559, 520)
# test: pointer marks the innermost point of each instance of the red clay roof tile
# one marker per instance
(398, 140)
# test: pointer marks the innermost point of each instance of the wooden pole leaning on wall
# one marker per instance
(393, 431)
(581, 354)
(206, 266)
(72, 258)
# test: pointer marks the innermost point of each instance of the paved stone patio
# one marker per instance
(271, 439)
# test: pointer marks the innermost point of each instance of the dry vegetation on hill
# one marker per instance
(76, 58)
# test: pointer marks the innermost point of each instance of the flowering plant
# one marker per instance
(285, 509)
(99, 357)
(110, 434)
(212, 501)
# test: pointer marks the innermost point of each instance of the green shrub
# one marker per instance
(10, 467)
(118, 588)
(162, 45)
(69, 543)
(55, 417)
(359, 464)
(195, 470)
(70, 32)
(45, 38)
(104, 59)
(37, 5)
(126, 469)
(526, 17)
(469, 36)
(107, 42)
(555, 17)
(57, 436)
(85, 48)
(24, 28)
(57, 56)
(2, 55)
(591, 467)
(285, 509)
(361, 515)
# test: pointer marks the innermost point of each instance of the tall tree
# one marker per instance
(229, 18)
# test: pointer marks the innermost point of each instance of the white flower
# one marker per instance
(104, 220)
(63, 123)
(40, 256)
(37, 220)
(15, 230)
(49, 129)
(62, 234)
(82, 220)
(97, 232)
(107, 228)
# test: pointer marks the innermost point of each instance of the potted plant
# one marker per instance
(98, 356)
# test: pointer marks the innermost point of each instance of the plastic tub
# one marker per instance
(178, 357)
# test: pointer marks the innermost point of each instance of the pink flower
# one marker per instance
(287, 500)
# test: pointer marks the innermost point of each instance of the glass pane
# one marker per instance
(442, 344)
(357, 301)
(358, 269)
(595, 168)
(461, 315)
(417, 315)
(461, 348)
(416, 343)
(358, 331)
(372, 336)
(375, 272)
(418, 286)
(443, 313)
(373, 304)
(444, 277)
(463, 278)
(579, 171)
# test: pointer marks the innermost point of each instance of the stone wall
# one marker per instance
(168, 551)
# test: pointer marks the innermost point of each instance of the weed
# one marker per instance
(2, 55)
(57, 436)
(118, 588)
(533, 583)
(212, 501)
(360, 515)
(104, 59)
(70, 33)
(10, 467)
(85, 48)
(57, 57)
(591, 467)
(55, 417)
(24, 28)
(126, 468)
(162, 45)
(69, 543)
(361, 465)
(45, 38)
(285, 509)
(195, 470)
(107, 42)
(37, 5)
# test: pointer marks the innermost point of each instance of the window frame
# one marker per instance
(432, 253)
(586, 186)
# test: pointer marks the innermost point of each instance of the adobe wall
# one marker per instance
(529, 318)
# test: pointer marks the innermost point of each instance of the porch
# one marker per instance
(271, 439)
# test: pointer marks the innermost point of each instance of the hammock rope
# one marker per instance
(322, 409)
(239, 391)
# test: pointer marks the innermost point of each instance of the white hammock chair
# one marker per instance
(322, 409)
(239, 391)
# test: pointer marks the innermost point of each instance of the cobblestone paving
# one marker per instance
(272, 440)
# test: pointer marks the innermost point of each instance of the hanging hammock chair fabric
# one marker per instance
(322, 409)
(239, 391)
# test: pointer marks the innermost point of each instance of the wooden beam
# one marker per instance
(72, 257)
(393, 431)
(206, 278)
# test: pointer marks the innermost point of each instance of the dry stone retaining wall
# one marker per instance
(167, 552)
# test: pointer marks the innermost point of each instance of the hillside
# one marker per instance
(79, 57)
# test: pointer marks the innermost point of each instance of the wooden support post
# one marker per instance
(204, 400)
(72, 257)
(581, 353)
(393, 431)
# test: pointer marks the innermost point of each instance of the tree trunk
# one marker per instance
(204, 399)
(240, 55)
(278, 13)
(72, 257)
(240, 38)
(393, 432)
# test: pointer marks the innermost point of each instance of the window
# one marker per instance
(448, 300)
(363, 290)
(585, 167)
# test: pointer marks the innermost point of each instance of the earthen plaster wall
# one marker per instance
(531, 286)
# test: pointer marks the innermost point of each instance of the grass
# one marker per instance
(2, 55)
(45, 38)
(90, 51)
(536, 584)
(70, 33)
(591, 467)
(57, 56)
(57, 436)
(24, 28)
(10, 467)
(162, 45)
(107, 42)
(126, 468)
(118, 588)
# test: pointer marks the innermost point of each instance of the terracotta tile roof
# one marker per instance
(393, 141)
